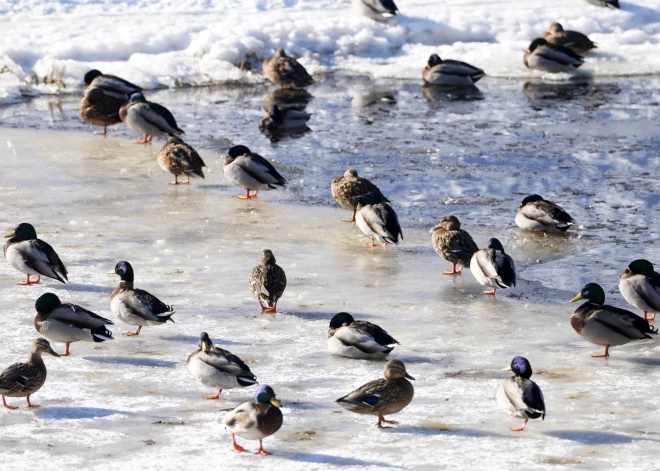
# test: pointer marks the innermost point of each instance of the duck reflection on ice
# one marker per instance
(586, 93)
(444, 93)
(287, 98)
(280, 122)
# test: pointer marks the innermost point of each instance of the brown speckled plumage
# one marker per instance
(347, 188)
(267, 281)
(99, 109)
(453, 243)
(578, 42)
(285, 71)
(180, 159)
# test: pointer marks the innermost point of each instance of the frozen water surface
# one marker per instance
(128, 404)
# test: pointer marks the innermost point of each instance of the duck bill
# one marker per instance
(10, 235)
(508, 368)
(408, 376)
(53, 352)
(577, 298)
(110, 272)
(275, 403)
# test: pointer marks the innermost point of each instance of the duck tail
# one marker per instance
(101, 334)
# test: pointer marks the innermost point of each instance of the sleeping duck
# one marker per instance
(577, 42)
(345, 190)
(379, 10)
(552, 58)
(604, 325)
(136, 306)
(25, 379)
(251, 172)
(150, 119)
(284, 120)
(640, 286)
(217, 368)
(537, 214)
(180, 159)
(385, 396)
(358, 339)
(519, 396)
(493, 267)
(376, 218)
(285, 71)
(450, 73)
(453, 243)
(255, 420)
(32, 256)
(68, 323)
(267, 282)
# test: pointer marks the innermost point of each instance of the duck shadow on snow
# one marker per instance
(457, 432)
(332, 460)
(81, 287)
(62, 413)
(193, 340)
(132, 361)
(646, 361)
(589, 437)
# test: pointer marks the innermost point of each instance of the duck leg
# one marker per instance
(66, 352)
(30, 405)
(647, 317)
(143, 140)
(491, 292)
(214, 396)
(271, 310)
(382, 420)
(105, 131)
(453, 271)
(247, 195)
(519, 429)
(261, 451)
(176, 180)
(187, 182)
(372, 244)
(4, 403)
(131, 334)
(27, 281)
(602, 355)
(237, 447)
(352, 219)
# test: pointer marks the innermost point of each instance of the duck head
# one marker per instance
(266, 395)
(267, 258)
(395, 369)
(531, 199)
(280, 53)
(638, 267)
(448, 223)
(47, 302)
(275, 113)
(24, 231)
(235, 152)
(40, 346)
(520, 367)
(496, 245)
(205, 343)
(592, 292)
(351, 172)
(556, 28)
(341, 320)
(537, 43)
(369, 198)
(125, 271)
(137, 98)
(434, 60)
(91, 75)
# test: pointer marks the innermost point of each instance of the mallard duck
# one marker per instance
(25, 379)
(550, 57)
(287, 98)
(267, 282)
(255, 420)
(136, 306)
(346, 189)
(379, 10)
(453, 243)
(493, 267)
(383, 396)
(577, 42)
(32, 256)
(519, 396)
(68, 323)
(537, 214)
(604, 325)
(614, 4)
(358, 339)
(251, 171)
(450, 73)
(179, 158)
(378, 220)
(640, 286)
(285, 71)
(103, 97)
(150, 119)
(217, 368)
(283, 120)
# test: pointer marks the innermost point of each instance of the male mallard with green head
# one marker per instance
(376, 219)
(450, 73)
(640, 286)
(150, 119)
(552, 58)
(267, 282)
(537, 214)
(358, 339)
(346, 189)
(453, 243)
(180, 159)
(519, 396)
(251, 172)
(286, 71)
(493, 267)
(32, 256)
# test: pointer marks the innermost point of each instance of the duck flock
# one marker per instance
(110, 100)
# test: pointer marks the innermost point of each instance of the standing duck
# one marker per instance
(519, 396)
(179, 158)
(552, 58)
(267, 282)
(150, 119)
(285, 71)
(136, 306)
(450, 73)
(25, 379)
(379, 10)
(577, 42)
(640, 286)
(346, 189)
(537, 214)
(385, 396)
(103, 96)
(358, 339)
(68, 323)
(284, 120)
(376, 218)
(32, 256)
(604, 325)
(217, 368)
(453, 243)
(255, 420)
(251, 172)
(493, 267)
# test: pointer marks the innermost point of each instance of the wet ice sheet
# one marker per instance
(131, 403)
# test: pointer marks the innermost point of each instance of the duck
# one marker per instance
(32, 256)
(639, 285)
(577, 42)
(358, 339)
(386, 396)
(347, 188)
(614, 4)
(267, 282)
(287, 98)
(379, 10)
(450, 73)
(136, 306)
(519, 396)
(286, 71)
(537, 214)
(179, 158)
(69, 323)
(217, 368)
(255, 420)
(150, 119)
(283, 120)
(251, 172)
(25, 379)
(103, 96)
(552, 58)
(604, 325)
(376, 218)
(493, 267)
(453, 243)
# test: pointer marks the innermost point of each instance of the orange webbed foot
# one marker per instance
(517, 429)
(490, 293)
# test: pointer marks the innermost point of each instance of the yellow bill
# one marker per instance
(577, 298)
(275, 402)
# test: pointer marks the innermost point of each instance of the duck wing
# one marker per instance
(367, 396)
(506, 269)
(74, 315)
(379, 334)
(41, 257)
(261, 170)
(186, 159)
(560, 54)
(622, 322)
(226, 362)
(115, 86)
(244, 417)
(463, 69)
(381, 6)
(291, 70)
(382, 220)
(14, 378)
(160, 117)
